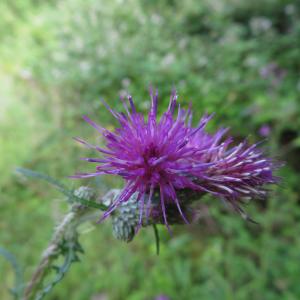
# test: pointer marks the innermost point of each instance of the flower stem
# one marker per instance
(156, 234)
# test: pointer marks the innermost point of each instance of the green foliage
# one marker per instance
(9, 257)
(71, 196)
(237, 58)
(69, 251)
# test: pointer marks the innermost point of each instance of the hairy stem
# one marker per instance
(68, 226)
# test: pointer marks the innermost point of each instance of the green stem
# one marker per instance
(156, 234)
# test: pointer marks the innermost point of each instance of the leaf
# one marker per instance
(17, 291)
(62, 188)
(47, 178)
(70, 250)
(88, 203)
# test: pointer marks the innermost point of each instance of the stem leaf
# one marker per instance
(17, 291)
(62, 188)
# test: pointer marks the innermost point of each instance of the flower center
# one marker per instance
(152, 162)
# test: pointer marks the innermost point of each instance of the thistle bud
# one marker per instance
(125, 220)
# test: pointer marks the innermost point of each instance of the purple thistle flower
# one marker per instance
(169, 157)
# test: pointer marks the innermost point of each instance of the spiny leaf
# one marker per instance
(69, 250)
(88, 203)
(47, 178)
(17, 291)
(61, 187)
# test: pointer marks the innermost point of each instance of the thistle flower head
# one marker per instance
(167, 156)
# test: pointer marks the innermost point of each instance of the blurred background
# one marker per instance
(240, 59)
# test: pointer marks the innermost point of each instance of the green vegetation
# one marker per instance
(240, 59)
